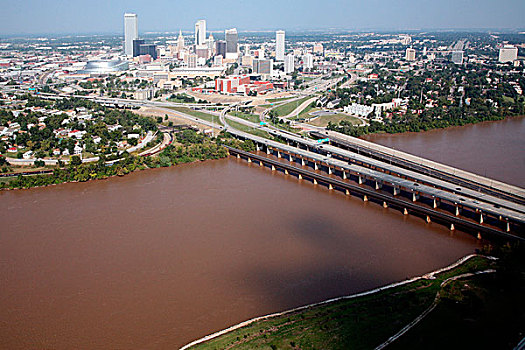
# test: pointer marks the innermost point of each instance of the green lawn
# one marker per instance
(198, 114)
(248, 129)
(273, 100)
(323, 121)
(289, 107)
(359, 323)
(247, 116)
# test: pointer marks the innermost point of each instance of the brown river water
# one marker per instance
(158, 258)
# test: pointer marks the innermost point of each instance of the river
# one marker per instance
(158, 258)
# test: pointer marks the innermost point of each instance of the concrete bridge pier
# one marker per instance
(316, 167)
(300, 177)
(405, 211)
(286, 172)
(303, 163)
(261, 163)
(365, 198)
(344, 175)
(278, 154)
(385, 205)
(257, 148)
(249, 160)
(273, 168)
(379, 185)
(360, 179)
(268, 150)
(315, 182)
(329, 170)
(457, 209)
(452, 227)
(348, 193)
(508, 226)
(435, 202)
(415, 196)
(480, 218)
(330, 187)
(238, 156)
(396, 190)
(428, 219)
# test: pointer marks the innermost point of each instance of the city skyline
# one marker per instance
(38, 17)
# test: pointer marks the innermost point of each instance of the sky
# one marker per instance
(106, 16)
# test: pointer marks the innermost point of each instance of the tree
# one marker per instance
(76, 161)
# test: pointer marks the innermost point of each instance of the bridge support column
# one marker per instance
(452, 227)
(415, 196)
(329, 170)
(428, 219)
(268, 150)
(303, 163)
(508, 227)
(344, 175)
(316, 167)
(436, 202)
(278, 154)
(378, 185)
(261, 163)
(286, 172)
(360, 180)
(249, 160)
(300, 177)
(405, 211)
(365, 198)
(257, 148)
(457, 210)
(330, 187)
(396, 191)
(273, 168)
(238, 156)
(347, 192)
(385, 205)
(315, 182)
(479, 235)
(481, 218)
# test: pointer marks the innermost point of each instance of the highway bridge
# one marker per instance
(503, 213)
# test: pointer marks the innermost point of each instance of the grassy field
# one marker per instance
(198, 114)
(250, 130)
(359, 323)
(334, 118)
(247, 116)
(289, 107)
(273, 100)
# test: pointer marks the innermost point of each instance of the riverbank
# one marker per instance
(190, 147)
(369, 319)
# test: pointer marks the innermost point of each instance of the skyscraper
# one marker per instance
(232, 39)
(200, 32)
(180, 42)
(136, 47)
(262, 66)
(289, 63)
(220, 48)
(131, 32)
(279, 45)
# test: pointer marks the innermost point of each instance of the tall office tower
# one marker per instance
(149, 49)
(410, 54)
(131, 32)
(211, 44)
(180, 42)
(457, 57)
(220, 48)
(279, 45)
(308, 61)
(289, 63)
(200, 32)
(136, 47)
(508, 53)
(262, 66)
(232, 39)
(424, 51)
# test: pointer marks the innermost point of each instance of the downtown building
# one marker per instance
(131, 32)
(232, 44)
(279, 45)
(289, 63)
(508, 53)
